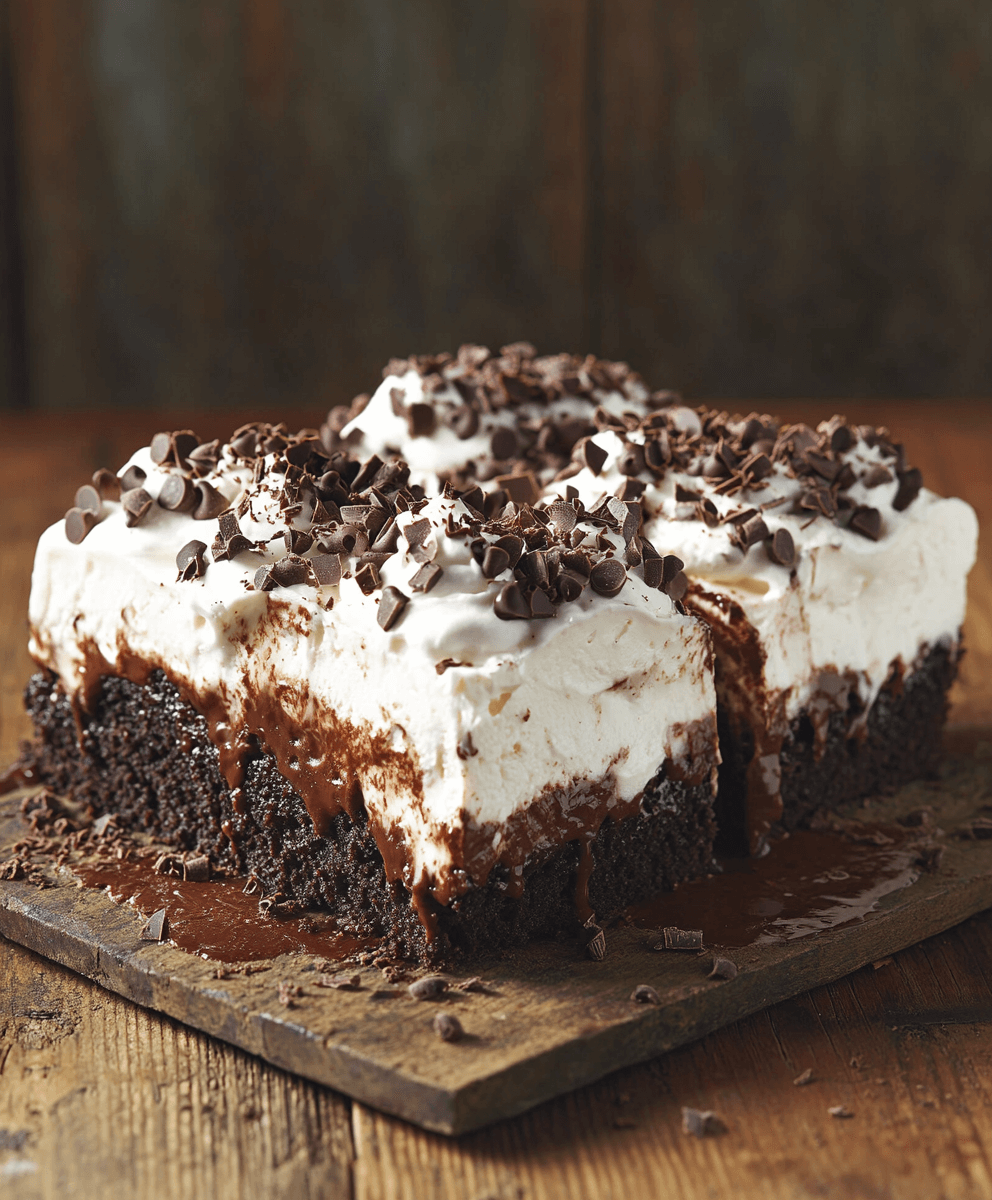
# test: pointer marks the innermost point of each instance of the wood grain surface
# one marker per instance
(259, 200)
(100, 1098)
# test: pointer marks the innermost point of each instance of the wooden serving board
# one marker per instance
(550, 1020)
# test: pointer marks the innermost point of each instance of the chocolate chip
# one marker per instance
(161, 449)
(342, 540)
(608, 577)
(875, 476)
(722, 968)
(867, 522)
(326, 569)
(758, 466)
(205, 457)
(699, 1123)
(89, 498)
(156, 928)
(366, 473)
(428, 988)
(589, 455)
(645, 994)
(464, 420)
(513, 545)
(448, 1028)
(540, 605)
(420, 420)
(391, 607)
(511, 604)
(426, 577)
(631, 461)
(780, 548)
(197, 869)
(78, 523)
(388, 540)
(521, 488)
(190, 562)
(671, 566)
(178, 494)
(209, 502)
(826, 468)
(494, 562)
(368, 579)
(841, 438)
(136, 504)
(680, 939)
(910, 483)
(107, 484)
(563, 516)
(750, 532)
(132, 478)
(503, 444)
(653, 570)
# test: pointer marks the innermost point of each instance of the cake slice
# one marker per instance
(833, 582)
(453, 721)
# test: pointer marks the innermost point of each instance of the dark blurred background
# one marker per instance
(257, 202)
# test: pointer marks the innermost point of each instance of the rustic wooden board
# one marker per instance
(551, 1021)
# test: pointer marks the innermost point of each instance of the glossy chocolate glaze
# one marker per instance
(806, 883)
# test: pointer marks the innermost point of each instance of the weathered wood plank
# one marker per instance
(262, 202)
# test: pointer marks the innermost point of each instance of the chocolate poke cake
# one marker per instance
(499, 650)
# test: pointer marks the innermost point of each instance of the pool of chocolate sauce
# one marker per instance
(806, 883)
(215, 919)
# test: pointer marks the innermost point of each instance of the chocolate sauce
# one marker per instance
(215, 919)
(806, 883)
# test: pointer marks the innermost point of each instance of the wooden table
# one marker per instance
(100, 1098)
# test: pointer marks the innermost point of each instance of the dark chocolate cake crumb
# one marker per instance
(448, 1028)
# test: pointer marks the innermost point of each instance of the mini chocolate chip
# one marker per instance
(107, 484)
(722, 968)
(205, 456)
(88, 497)
(570, 586)
(534, 566)
(197, 869)
(391, 607)
(503, 443)
(876, 475)
(78, 523)
(132, 478)
(190, 562)
(511, 604)
(867, 522)
(540, 606)
(608, 577)
(425, 577)
(780, 548)
(178, 494)
(464, 420)
(326, 569)
(420, 420)
(136, 504)
(910, 483)
(645, 994)
(368, 579)
(588, 454)
(209, 503)
(428, 988)
(631, 461)
(494, 562)
(448, 1028)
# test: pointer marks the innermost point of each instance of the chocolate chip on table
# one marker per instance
(107, 484)
(722, 968)
(511, 604)
(391, 607)
(428, 988)
(178, 494)
(867, 522)
(190, 562)
(78, 523)
(781, 549)
(645, 994)
(701, 1123)
(156, 928)
(608, 577)
(136, 504)
(132, 478)
(673, 938)
(448, 1028)
(197, 870)
(426, 576)
(209, 503)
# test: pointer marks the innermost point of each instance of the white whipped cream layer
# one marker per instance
(852, 605)
(609, 686)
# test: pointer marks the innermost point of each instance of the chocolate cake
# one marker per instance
(453, 668)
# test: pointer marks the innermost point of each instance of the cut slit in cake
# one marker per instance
(441, 671)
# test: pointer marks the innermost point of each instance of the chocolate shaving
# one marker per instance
(368, 580)
(391, 607)
(876, 475)
(867, 522)
(156, 928)
(197, 869)
(521, 488)
(680, 939)
(910, 483)
(190, 561)
(426, 577)
(326, 569)
(701, 1123)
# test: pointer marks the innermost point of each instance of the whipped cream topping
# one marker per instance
(483, 714)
